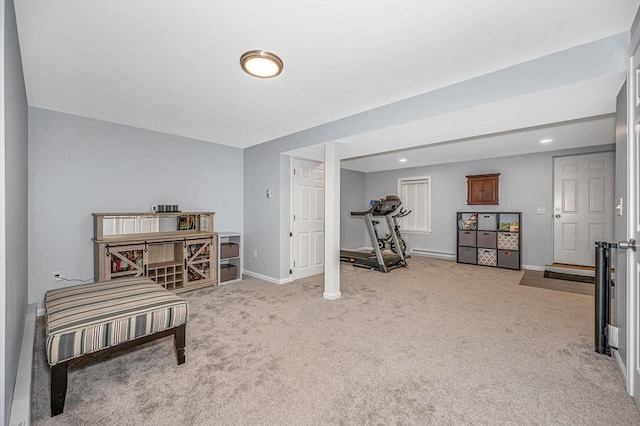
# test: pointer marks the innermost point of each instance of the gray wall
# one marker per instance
(79, 165)
(526, 182)
(353, 232)
(13, 286)
(266, 220)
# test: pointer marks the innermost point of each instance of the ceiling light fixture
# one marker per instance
(403, 160)
(261, 64)
(546, 140)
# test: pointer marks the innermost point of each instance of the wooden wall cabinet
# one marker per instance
(177, 250)
(483, 189)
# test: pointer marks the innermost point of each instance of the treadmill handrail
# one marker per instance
(390, 202)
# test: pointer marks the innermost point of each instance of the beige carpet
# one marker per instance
(438, 343)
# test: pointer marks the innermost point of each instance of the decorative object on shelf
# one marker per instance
(491, 239)
(165, 208)
(187, 222)
(179, 258)
(483, 189)
(468, 221)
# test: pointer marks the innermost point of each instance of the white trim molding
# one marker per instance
(21, 404)
(267, 278)
(433, 253)
(534, 268)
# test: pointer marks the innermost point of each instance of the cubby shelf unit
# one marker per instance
(230, 257)
(489, 239)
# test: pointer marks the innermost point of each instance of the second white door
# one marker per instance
(583, 206)
(308, 218)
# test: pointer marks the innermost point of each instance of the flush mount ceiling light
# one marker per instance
(261, 64)
(402, 160)
(546, 140)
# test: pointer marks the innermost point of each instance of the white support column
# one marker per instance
(332, 221)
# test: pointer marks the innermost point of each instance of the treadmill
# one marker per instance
(383, 262)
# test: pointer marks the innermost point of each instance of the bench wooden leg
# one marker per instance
(179, 338)
(58, 387)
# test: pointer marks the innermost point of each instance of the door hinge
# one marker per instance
(290, 271)
(291, 234)
(294, 171)
(294, 263)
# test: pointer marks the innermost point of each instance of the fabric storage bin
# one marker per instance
(486, 239)
(228, 272)
(467, 255)
(487, 222)
(508, 240)
(487, 257)
(467, 238)
(228, 250)
(509, 259)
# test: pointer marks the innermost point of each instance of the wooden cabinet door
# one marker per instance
(200, 265)
(490, 190)
(474, 191)
(125, 261)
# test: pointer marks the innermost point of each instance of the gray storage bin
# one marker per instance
(467, 238)
(487, 257)
(486, 239)
(487, 222)
(467, 255)
(508, 240)
(509, 259)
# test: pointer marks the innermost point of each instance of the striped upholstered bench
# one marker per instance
(89, 320)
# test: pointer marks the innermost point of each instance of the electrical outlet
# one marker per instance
(56, 276)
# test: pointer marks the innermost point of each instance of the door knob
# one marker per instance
(557, 216)
(631, 244)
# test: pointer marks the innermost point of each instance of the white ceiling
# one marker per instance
(173, 66)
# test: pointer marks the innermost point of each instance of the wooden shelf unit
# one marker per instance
(152, 245)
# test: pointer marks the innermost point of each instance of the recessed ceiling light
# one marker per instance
(403, 160)
(261, 64)
(546, 140)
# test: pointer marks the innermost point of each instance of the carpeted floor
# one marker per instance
(438, 343)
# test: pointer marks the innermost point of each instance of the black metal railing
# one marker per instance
(603, 295)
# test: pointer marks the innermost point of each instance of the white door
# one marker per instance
(308, 218)
(583, 206)
(633, 278)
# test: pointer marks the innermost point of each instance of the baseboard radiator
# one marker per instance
(433, 253)
(21, 404)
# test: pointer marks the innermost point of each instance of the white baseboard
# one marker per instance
(621, 366)
(534, 268)
(332, 296)
(433, 253)
(21, 404)
(40, 312)
(267, 278)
